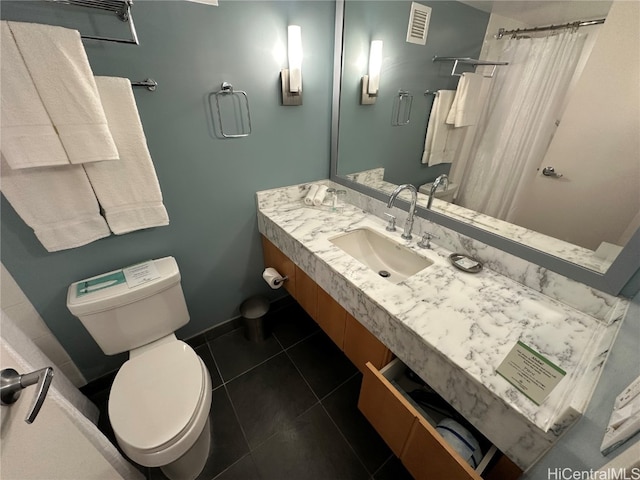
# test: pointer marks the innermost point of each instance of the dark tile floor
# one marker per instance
(284, 409)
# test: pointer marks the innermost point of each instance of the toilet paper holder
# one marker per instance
(281, 280)
(274, 278)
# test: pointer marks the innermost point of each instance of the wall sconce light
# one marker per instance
(291, 78)
(371, 82)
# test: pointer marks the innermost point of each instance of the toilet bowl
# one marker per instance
(160, 400)
(159, 406)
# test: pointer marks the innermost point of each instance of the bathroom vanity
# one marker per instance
(451, 328)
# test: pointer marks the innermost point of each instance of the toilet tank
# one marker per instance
(130, 307)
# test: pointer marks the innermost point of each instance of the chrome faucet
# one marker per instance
(441, 180)
(412, 209)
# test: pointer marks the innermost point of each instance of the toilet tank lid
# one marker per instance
(121, 287)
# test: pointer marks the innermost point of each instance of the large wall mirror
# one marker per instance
(561, 98)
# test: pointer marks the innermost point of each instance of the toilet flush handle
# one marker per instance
(12, 384)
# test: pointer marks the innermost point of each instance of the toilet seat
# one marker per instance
(159, 400)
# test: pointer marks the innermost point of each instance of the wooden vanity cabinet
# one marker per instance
(306, 292)
(273, 257)
(358, 344)
(331, 317)
(411, 438)
(361, 346)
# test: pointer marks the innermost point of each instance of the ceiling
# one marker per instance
(545, 12)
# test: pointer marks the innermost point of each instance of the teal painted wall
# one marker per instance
(455, 30)
(208, 183)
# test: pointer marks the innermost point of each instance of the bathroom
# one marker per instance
(190, 49)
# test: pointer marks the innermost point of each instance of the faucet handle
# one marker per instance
(391, 226)
(425, 242)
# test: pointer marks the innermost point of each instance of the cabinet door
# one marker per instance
(386, 409)
(331, 317)
(306, 293)
(278, 260)
(427, 456)
(361, 346)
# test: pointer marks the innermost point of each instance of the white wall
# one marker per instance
(597, 145)
(14, 302)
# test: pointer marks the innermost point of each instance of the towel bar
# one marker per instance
(122, 9)
(226, 90)
(468, 61)
(402, 108)
(149, 83)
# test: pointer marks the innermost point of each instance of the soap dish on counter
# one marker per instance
(465, 263)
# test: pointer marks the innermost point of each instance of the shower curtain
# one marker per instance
(518, 120)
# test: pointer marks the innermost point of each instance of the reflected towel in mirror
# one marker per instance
(469, 98)
(441, 140)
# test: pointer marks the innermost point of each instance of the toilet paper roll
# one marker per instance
(311, 194)
(273, 278)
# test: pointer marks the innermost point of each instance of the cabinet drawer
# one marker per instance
(409, 430)
(386, 409)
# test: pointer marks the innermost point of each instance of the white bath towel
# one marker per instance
(441, 139)
(318, 198)
(128, 189)
(468, 101)
(57, 202)
(58, 65)
(28, 136)
(308, 199)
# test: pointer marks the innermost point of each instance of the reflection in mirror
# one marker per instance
(568, 99)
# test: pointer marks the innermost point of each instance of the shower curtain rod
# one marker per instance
(581, 23)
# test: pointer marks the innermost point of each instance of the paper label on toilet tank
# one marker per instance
(99, 283)
(530, 372)
(140, 273)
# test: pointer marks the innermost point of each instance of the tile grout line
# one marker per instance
(340, 430)
(283, 349)
(224, 384)
(325, 410)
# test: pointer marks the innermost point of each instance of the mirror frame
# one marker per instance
(626, 264)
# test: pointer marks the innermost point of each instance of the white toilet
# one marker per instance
(446, 195)
(160, 399)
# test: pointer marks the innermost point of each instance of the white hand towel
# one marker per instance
(313, 189)
(58, 65)
(468, 101)
(28, 136)
(438, 132)
(57, 202)
(318, 198)
(128, 189)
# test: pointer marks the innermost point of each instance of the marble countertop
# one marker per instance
(451, 327)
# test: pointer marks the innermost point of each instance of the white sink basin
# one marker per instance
(389, 259)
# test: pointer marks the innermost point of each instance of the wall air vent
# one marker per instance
(418, 24)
